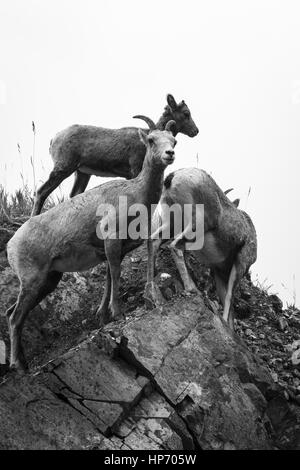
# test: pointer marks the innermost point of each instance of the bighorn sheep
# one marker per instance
(64, 238)
(90, 150)
(229, 247)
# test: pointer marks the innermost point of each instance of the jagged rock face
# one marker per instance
(170, 379)
(189, 382)
(204, 371)
(88, 399)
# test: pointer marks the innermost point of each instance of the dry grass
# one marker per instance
(264, 285)
(15, 208)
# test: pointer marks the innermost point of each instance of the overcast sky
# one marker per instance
(235, 63)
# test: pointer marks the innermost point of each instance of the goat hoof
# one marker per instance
(118, 317)
(103, 319)
(20, 367)
(153, 296)
(192, 291)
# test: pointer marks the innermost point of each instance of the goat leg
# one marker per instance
(178, 256)
(113, 251)
(102, 312)
(152, 295)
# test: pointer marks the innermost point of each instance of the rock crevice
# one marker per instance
(171, 378)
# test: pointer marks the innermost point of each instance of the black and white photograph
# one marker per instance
(149, 232)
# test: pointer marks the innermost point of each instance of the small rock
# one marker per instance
(274, 376)
(276, 303)
(136, 259)
(275, 359)
(282, 324)
(264, 319)
(296, 383)
(255, 349)
(296, 357)
(165, 276)
(246, 294)
(276, 342)
(295, 345)
(250, 333)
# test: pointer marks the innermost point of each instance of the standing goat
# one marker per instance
(64, 238)
(91, 150)
(229, 247)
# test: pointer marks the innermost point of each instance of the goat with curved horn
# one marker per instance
(46, 246)
(91, 150)
(151, 124)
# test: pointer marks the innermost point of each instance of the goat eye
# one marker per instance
(175, 143)
(150, 140)
(187, 115)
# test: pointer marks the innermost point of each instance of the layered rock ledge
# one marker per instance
(171, 378)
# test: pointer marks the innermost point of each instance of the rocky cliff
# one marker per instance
(170, 378)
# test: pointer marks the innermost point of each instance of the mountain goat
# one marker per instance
(91, 150)
(64, 239)
(229, 242)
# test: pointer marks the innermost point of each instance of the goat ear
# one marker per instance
(171, 102)
(236, 202)
(143, 137)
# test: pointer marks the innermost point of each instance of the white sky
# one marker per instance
(236, 64)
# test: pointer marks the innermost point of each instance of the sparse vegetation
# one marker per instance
(264, 286)
(16, 207)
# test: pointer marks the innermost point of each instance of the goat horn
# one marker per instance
(149, 121)
(228, 191)
(169, 125)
